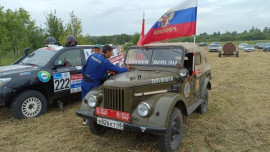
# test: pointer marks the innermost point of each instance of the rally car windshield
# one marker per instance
(155, 57)
(39, 57)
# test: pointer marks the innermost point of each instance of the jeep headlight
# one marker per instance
(92, 101)
(183, 72)
(143, 109)
(3, 81)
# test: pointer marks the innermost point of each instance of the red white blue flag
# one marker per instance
(176, 22)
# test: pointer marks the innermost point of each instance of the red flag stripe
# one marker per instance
(169, 32)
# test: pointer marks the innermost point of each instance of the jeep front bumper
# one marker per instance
(127, 126)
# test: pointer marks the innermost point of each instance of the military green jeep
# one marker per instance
(153, 95)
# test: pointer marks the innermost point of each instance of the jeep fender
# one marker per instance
(95, 91)
(161, 108)
(206, 84)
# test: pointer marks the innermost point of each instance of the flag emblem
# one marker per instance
(166, 18)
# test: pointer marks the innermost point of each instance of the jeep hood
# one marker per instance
(140, 78)
(13, 69)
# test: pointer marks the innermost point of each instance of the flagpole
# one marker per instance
(193, 67)
(140, 42)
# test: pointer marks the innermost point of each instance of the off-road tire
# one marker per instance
(95, 128)
(28, 104)
(173, 136)
(202, 109)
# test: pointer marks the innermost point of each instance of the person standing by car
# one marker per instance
(97, 49)
(95, 70)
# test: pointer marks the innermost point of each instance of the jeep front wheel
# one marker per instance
(28, 104)
(172, 137)
(95, 128)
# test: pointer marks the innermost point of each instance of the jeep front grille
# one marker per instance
(114, 99)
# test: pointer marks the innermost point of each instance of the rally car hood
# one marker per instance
(139, 78)
(13, 69)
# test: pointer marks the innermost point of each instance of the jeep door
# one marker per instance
(188, 85)
(198, 74)
(67, 72)
(192, 85)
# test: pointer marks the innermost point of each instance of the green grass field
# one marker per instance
(238, 118)
(8, 59)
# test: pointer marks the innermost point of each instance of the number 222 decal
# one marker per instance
(61, 81)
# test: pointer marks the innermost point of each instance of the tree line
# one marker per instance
(19, 31)
(254, 34)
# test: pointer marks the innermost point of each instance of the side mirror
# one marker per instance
(21, 58)
(26, 50)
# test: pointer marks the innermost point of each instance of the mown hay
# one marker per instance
(238, 118)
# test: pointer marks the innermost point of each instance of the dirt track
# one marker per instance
(238, 118)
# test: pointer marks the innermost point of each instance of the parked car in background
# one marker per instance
(266, 47)
(259, 45)
(202, 44)
(248, 48)
(241, 46)
(214, 48)
(215, 43)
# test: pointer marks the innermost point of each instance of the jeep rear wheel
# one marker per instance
(172, 137)
(202, 109)
(95, 128)
(28, 104)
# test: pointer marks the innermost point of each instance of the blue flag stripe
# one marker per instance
(182, 16)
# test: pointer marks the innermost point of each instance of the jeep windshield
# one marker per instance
(39, 57)
(155, 57)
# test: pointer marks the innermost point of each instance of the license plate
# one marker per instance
(110, 123)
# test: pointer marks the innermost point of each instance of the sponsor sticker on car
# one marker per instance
(61, 81)
(76, 83)
(44, 76)
(24, 73)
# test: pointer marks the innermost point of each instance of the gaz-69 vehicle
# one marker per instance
(153, 95)
(45, 75)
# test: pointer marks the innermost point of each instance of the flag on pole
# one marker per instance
(176, 22)
(142, 33)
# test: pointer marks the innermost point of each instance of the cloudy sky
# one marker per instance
(108, 17)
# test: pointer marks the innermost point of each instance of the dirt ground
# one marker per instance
(238, 118)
